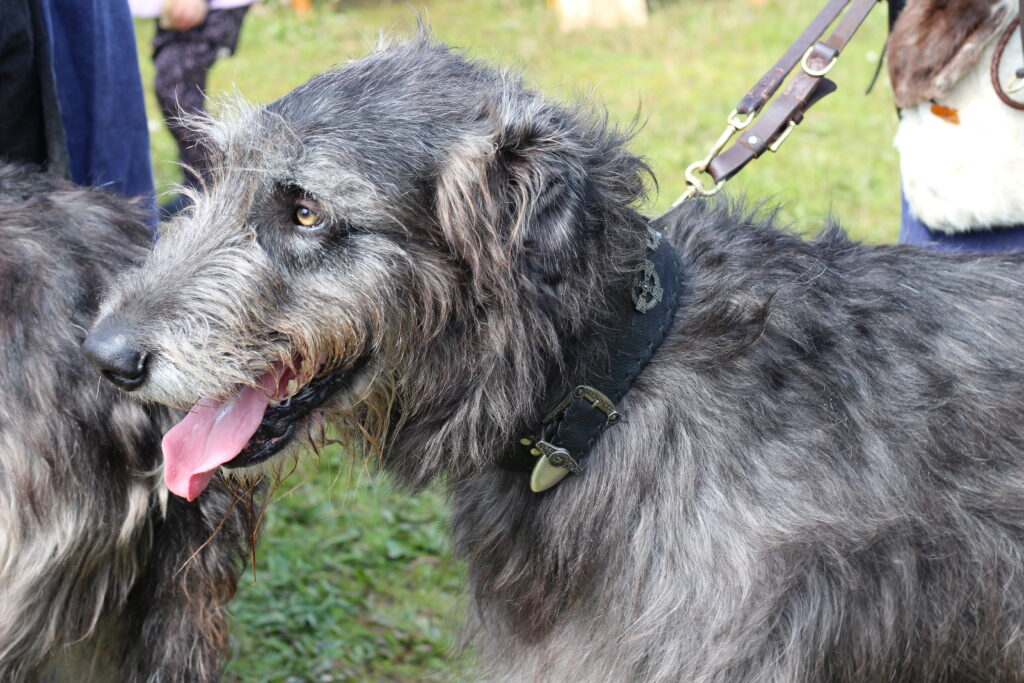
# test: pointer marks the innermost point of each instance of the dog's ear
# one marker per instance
(546, 180)
(517, 189)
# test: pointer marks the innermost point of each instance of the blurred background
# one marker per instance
(353, 579)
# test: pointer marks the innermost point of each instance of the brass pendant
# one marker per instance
(545, 475)
(551, 468)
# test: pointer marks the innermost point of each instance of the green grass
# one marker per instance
(353, 579)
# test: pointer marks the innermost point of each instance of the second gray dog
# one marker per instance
(103, 576)
(819, 475)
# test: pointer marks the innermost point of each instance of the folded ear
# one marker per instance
(516, 189)
(539, 189)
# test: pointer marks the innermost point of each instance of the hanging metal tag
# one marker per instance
(552, 467)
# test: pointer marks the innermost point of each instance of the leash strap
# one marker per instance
(770, 82)
(568, 432)
(1017, 83)
(787, 110)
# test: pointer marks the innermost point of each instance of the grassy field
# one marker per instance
(353, 579)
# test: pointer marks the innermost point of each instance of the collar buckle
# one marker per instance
(596, 400)
(554, 461)
(568, 433)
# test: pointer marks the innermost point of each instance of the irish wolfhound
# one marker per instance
(819, 475)
(95, 578)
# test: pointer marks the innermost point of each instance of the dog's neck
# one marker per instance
(540, 335)
(560, 444)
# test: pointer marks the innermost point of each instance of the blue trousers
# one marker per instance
(913, 231)
(99, 90)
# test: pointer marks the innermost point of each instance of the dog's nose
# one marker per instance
(118, 357)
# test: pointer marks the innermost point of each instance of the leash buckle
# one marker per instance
(774, 147)
(554, 465)
(821, 71)
(735, 122)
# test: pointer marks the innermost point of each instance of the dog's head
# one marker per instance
(384, 241)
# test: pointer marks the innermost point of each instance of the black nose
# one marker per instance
(118, 357)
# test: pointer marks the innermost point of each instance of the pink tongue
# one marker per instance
(213, 433)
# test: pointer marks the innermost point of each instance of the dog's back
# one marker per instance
(820, 477)
(88, 543)
(863, 408)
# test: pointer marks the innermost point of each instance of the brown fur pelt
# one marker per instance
(935, 42)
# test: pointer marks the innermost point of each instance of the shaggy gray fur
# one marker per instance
(820, 475)
(90, 546)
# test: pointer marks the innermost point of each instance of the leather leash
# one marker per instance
(1018, 81)
(816, 58)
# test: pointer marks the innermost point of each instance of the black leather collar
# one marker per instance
(561, 443)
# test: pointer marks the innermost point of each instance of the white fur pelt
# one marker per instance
(965, 177)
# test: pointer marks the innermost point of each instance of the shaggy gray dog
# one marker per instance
(95, 578)
(818, 476)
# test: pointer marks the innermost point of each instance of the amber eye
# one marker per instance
(306, 217)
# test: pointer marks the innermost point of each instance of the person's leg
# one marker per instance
(32, 131)
(180, 83)
(22, 131)
(99, 90)
(183, 61)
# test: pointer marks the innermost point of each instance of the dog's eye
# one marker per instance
(306, 217)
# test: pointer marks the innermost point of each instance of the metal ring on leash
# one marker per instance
(816, 72)
(739, 121)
